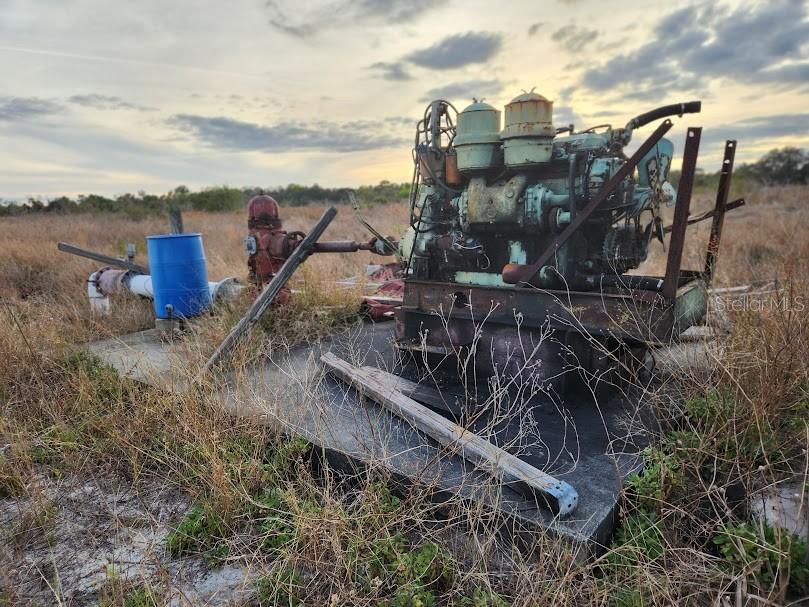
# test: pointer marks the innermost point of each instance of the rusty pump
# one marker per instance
(534, 226)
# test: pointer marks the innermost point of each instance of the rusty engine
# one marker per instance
(514, 227)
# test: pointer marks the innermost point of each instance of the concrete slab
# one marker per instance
(592, 445)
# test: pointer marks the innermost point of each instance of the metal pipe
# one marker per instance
(571, 182)
(112, 261)
(675, 109)
(342, 246)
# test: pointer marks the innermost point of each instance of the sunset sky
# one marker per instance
(110, 97)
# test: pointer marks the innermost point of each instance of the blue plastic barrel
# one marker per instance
(179, 275)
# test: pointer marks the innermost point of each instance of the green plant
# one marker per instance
(661, 476)
(384, 499)
(409, 575)
(197, 532)
(11, 481)
(638, 540)
(484, 597)
(106, 384)
(280, 587)
(145, 596)
(277, 526)
(768, 556)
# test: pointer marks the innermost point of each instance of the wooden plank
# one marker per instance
(445, 401)
(270, 292)
(558, 495)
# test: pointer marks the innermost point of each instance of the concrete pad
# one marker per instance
(591, 445)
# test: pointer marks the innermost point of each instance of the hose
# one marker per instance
(675, 109)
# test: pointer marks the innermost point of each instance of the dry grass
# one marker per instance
(306, 534)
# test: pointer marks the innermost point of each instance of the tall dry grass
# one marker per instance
(272, 506)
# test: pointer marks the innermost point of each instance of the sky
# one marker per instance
(104, 96)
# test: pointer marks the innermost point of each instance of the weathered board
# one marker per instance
(560, 497)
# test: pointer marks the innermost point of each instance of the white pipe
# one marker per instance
(141, 284)
(99, 303)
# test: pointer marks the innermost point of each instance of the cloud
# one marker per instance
(105, 102)
(564, 115)
(391, 71)
(762, 127)
(302, 21)
(235, 135)
(534, 28)
(756, 44)
(458, 51)
(13, 109)
(464, 90)
(574, 38)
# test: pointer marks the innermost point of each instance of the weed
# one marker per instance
(276, 522)
(482, 597)
(770, 558)
(407, 575)
(638, 540)
(279, 588)
(197, 532)
(117, 592)
(662, 475)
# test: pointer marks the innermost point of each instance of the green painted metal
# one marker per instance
(477, 139)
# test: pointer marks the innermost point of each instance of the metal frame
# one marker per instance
(720, 209)
(677, 242)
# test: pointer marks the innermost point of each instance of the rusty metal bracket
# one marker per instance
(671, 281)
(720, 209)
(516, 273)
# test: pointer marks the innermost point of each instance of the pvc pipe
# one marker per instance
(141, 284)
(99, 303)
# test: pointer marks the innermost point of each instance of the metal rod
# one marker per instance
(270, 292)
(671, 281)
(341, 246)
(175, 221)
(110, 261)
(514, 273)
(734, 204)
(719, 210)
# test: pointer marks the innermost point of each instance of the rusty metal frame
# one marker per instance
(671, 281)
(720, 209)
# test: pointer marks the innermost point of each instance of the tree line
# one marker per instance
(215, 199)
(782, 166)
